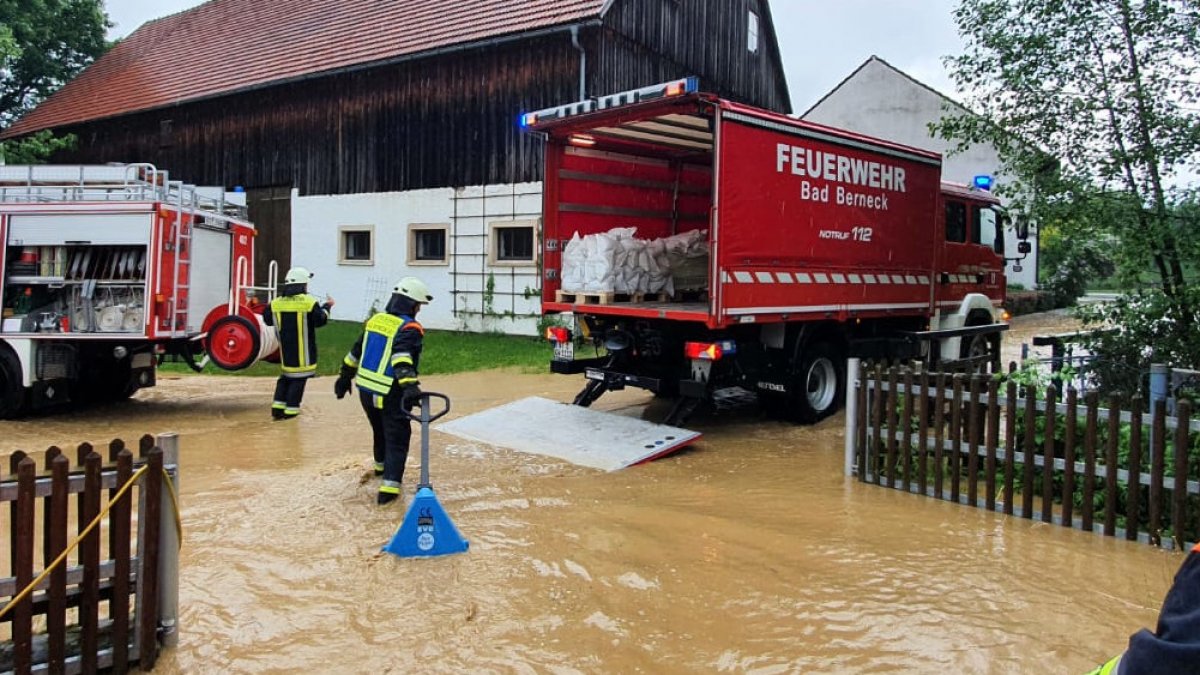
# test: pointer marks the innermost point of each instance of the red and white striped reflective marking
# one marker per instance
(826, 278)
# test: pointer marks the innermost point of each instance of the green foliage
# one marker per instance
(1033, 373)
(36, 147)
(1092, 105)
(489, 295)
(43, 44)
(1144, 327)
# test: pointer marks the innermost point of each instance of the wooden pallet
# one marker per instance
(607, 297)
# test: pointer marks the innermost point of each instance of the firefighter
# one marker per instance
(1174, 647)
(384, 363)
(296, 316)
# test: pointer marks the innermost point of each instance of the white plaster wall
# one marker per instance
(881, 102)
(461, 301)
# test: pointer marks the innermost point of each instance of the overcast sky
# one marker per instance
(821, 41)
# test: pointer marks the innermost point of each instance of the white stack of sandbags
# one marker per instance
(618, 262)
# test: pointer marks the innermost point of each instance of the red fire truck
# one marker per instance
(821, 244)
(104, 270)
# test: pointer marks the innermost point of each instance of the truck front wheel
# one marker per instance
(819, 384)
(12, 386)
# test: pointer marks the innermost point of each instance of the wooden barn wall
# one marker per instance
(647, 41)
(446, 121)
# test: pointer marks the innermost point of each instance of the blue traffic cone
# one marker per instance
(427, 530)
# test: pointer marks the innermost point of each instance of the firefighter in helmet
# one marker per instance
(296, 316)
(383, 363)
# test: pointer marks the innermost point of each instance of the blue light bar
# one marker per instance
(681, 87)
(983, 182)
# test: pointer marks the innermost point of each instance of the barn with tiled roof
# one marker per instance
(337, 117)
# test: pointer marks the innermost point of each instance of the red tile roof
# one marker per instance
(225, 46)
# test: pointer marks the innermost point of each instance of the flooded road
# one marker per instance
(748, 553)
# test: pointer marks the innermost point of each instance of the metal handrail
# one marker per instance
(113, 182)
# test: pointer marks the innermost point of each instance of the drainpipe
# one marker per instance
(582, 62)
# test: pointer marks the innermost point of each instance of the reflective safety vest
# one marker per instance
(377, 364)
(297, 338)
(1109, 668)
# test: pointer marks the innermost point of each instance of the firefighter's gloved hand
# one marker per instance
(342, 387)
(410, 396)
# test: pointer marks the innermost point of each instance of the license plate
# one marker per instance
(564, 351)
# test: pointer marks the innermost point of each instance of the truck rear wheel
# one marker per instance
(819, 384)
(12, 386)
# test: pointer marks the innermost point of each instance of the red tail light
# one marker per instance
(558, 334)
(707, 351)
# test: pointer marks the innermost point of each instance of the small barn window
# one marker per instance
(427, 244)
(512, 243)
(356, 245)
(166, 137)
(752, 34)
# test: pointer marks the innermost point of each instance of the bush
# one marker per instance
(1021, 302)
(1028, 302)
(1144, 327)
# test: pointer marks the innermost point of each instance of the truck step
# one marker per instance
(607, 297)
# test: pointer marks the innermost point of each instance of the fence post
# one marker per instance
(1160, 377)
(853, 372)
(168, 561)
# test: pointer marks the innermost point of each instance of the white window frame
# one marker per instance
(493, 242)
(413, 229)
(753, 32)
(345, 230)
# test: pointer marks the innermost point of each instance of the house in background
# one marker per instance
(879, 100)
(376, 140)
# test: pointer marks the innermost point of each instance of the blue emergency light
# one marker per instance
(983, 182)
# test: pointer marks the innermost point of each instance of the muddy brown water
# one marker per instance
(748, 553)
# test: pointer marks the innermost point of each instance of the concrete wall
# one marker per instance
(460, 286)
(882, 102)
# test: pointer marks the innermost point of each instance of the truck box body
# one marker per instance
(820, 241)
(102, 270)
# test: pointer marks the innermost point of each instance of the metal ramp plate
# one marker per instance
(577, 435)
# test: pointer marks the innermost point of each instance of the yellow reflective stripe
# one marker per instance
(407, 380)
(350, 361)
(293, 303)
(401, 359)
(302, 333)
(1108, 668)
(373, 376)
(390, 489)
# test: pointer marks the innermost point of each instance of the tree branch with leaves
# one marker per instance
(43, 44)
(1111, 90)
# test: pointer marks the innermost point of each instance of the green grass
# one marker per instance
(444, 352)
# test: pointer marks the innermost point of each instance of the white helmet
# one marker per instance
(413, 289)
(297, 275)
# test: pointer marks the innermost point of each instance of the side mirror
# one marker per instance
(1022, 228)
(1024, 247)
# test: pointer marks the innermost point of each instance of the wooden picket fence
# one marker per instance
(99, 608)
(972, 439)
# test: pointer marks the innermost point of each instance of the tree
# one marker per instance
(1109, 89)
(43, 44)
